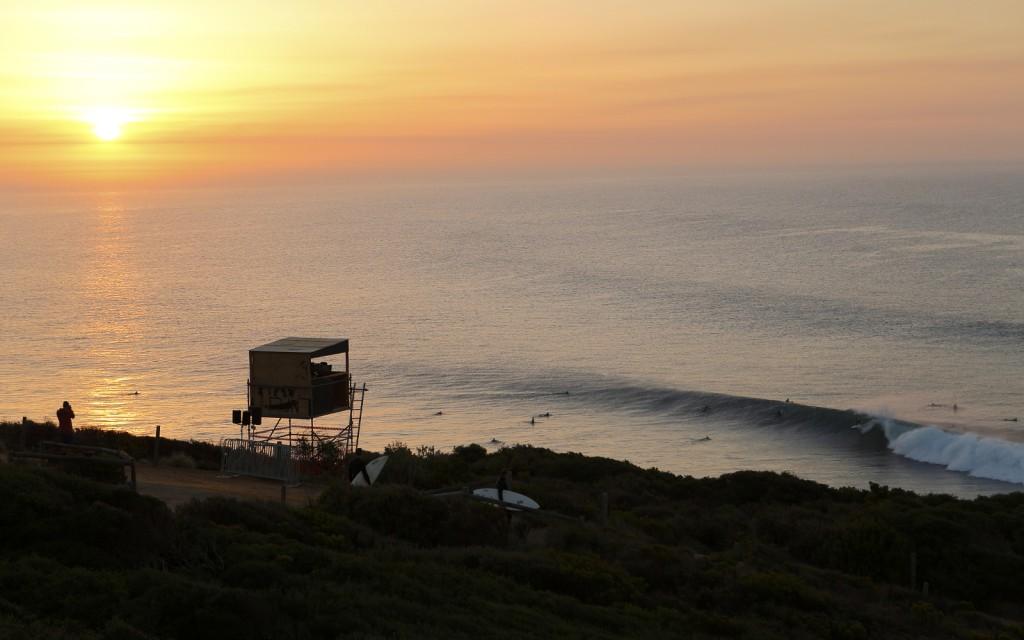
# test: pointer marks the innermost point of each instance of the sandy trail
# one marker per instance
(176, 485)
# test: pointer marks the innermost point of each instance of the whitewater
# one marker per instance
(978, 456)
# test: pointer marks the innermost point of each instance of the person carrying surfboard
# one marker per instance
(502, 485)
(356, 466)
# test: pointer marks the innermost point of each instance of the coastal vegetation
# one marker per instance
(746, 555)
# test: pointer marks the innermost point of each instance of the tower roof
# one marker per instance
(314, 347)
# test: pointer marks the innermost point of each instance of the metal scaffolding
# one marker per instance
(293, 405)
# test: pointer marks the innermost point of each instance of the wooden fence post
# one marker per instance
(913, 570)
(156, 448)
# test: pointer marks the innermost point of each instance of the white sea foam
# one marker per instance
(978, 456)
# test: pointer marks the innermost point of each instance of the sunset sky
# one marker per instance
(125, 93)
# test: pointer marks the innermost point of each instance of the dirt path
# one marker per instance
(176, 485)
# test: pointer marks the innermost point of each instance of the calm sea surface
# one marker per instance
(663, 307)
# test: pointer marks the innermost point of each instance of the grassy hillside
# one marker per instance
(748, 555)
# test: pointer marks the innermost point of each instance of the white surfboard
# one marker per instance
(373, 468)
(509, 498)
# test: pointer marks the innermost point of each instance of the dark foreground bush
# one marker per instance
(205, 455)
(746, 555)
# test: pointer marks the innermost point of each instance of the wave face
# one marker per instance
(630, 396)
(977, 456)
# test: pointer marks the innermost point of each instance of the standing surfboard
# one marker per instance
(510, 499)
(373, 468)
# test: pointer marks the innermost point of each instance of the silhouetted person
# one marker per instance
(64, 417)
(533, 421)
(356, 466)
(502, 485)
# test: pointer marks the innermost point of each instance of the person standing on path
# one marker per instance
(502, 485)
(64, 417)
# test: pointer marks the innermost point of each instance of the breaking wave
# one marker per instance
(977, 456)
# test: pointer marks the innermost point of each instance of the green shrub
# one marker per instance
(470, 453)
(751, 555)
(412, 516)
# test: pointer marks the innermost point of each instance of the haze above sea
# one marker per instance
(679, 313)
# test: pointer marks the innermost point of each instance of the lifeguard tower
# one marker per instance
(296, 384)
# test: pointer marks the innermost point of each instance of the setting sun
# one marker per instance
(107, 122)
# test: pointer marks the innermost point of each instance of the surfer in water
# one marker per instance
(356, 466)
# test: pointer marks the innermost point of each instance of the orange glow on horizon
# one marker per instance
(175, 92)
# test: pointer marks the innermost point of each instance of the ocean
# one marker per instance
(663, 320)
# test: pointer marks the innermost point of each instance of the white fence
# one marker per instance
(259, 459)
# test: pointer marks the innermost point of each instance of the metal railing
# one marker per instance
(79, 458)
(260, 459)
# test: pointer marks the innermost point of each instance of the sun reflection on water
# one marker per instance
(110, 286)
